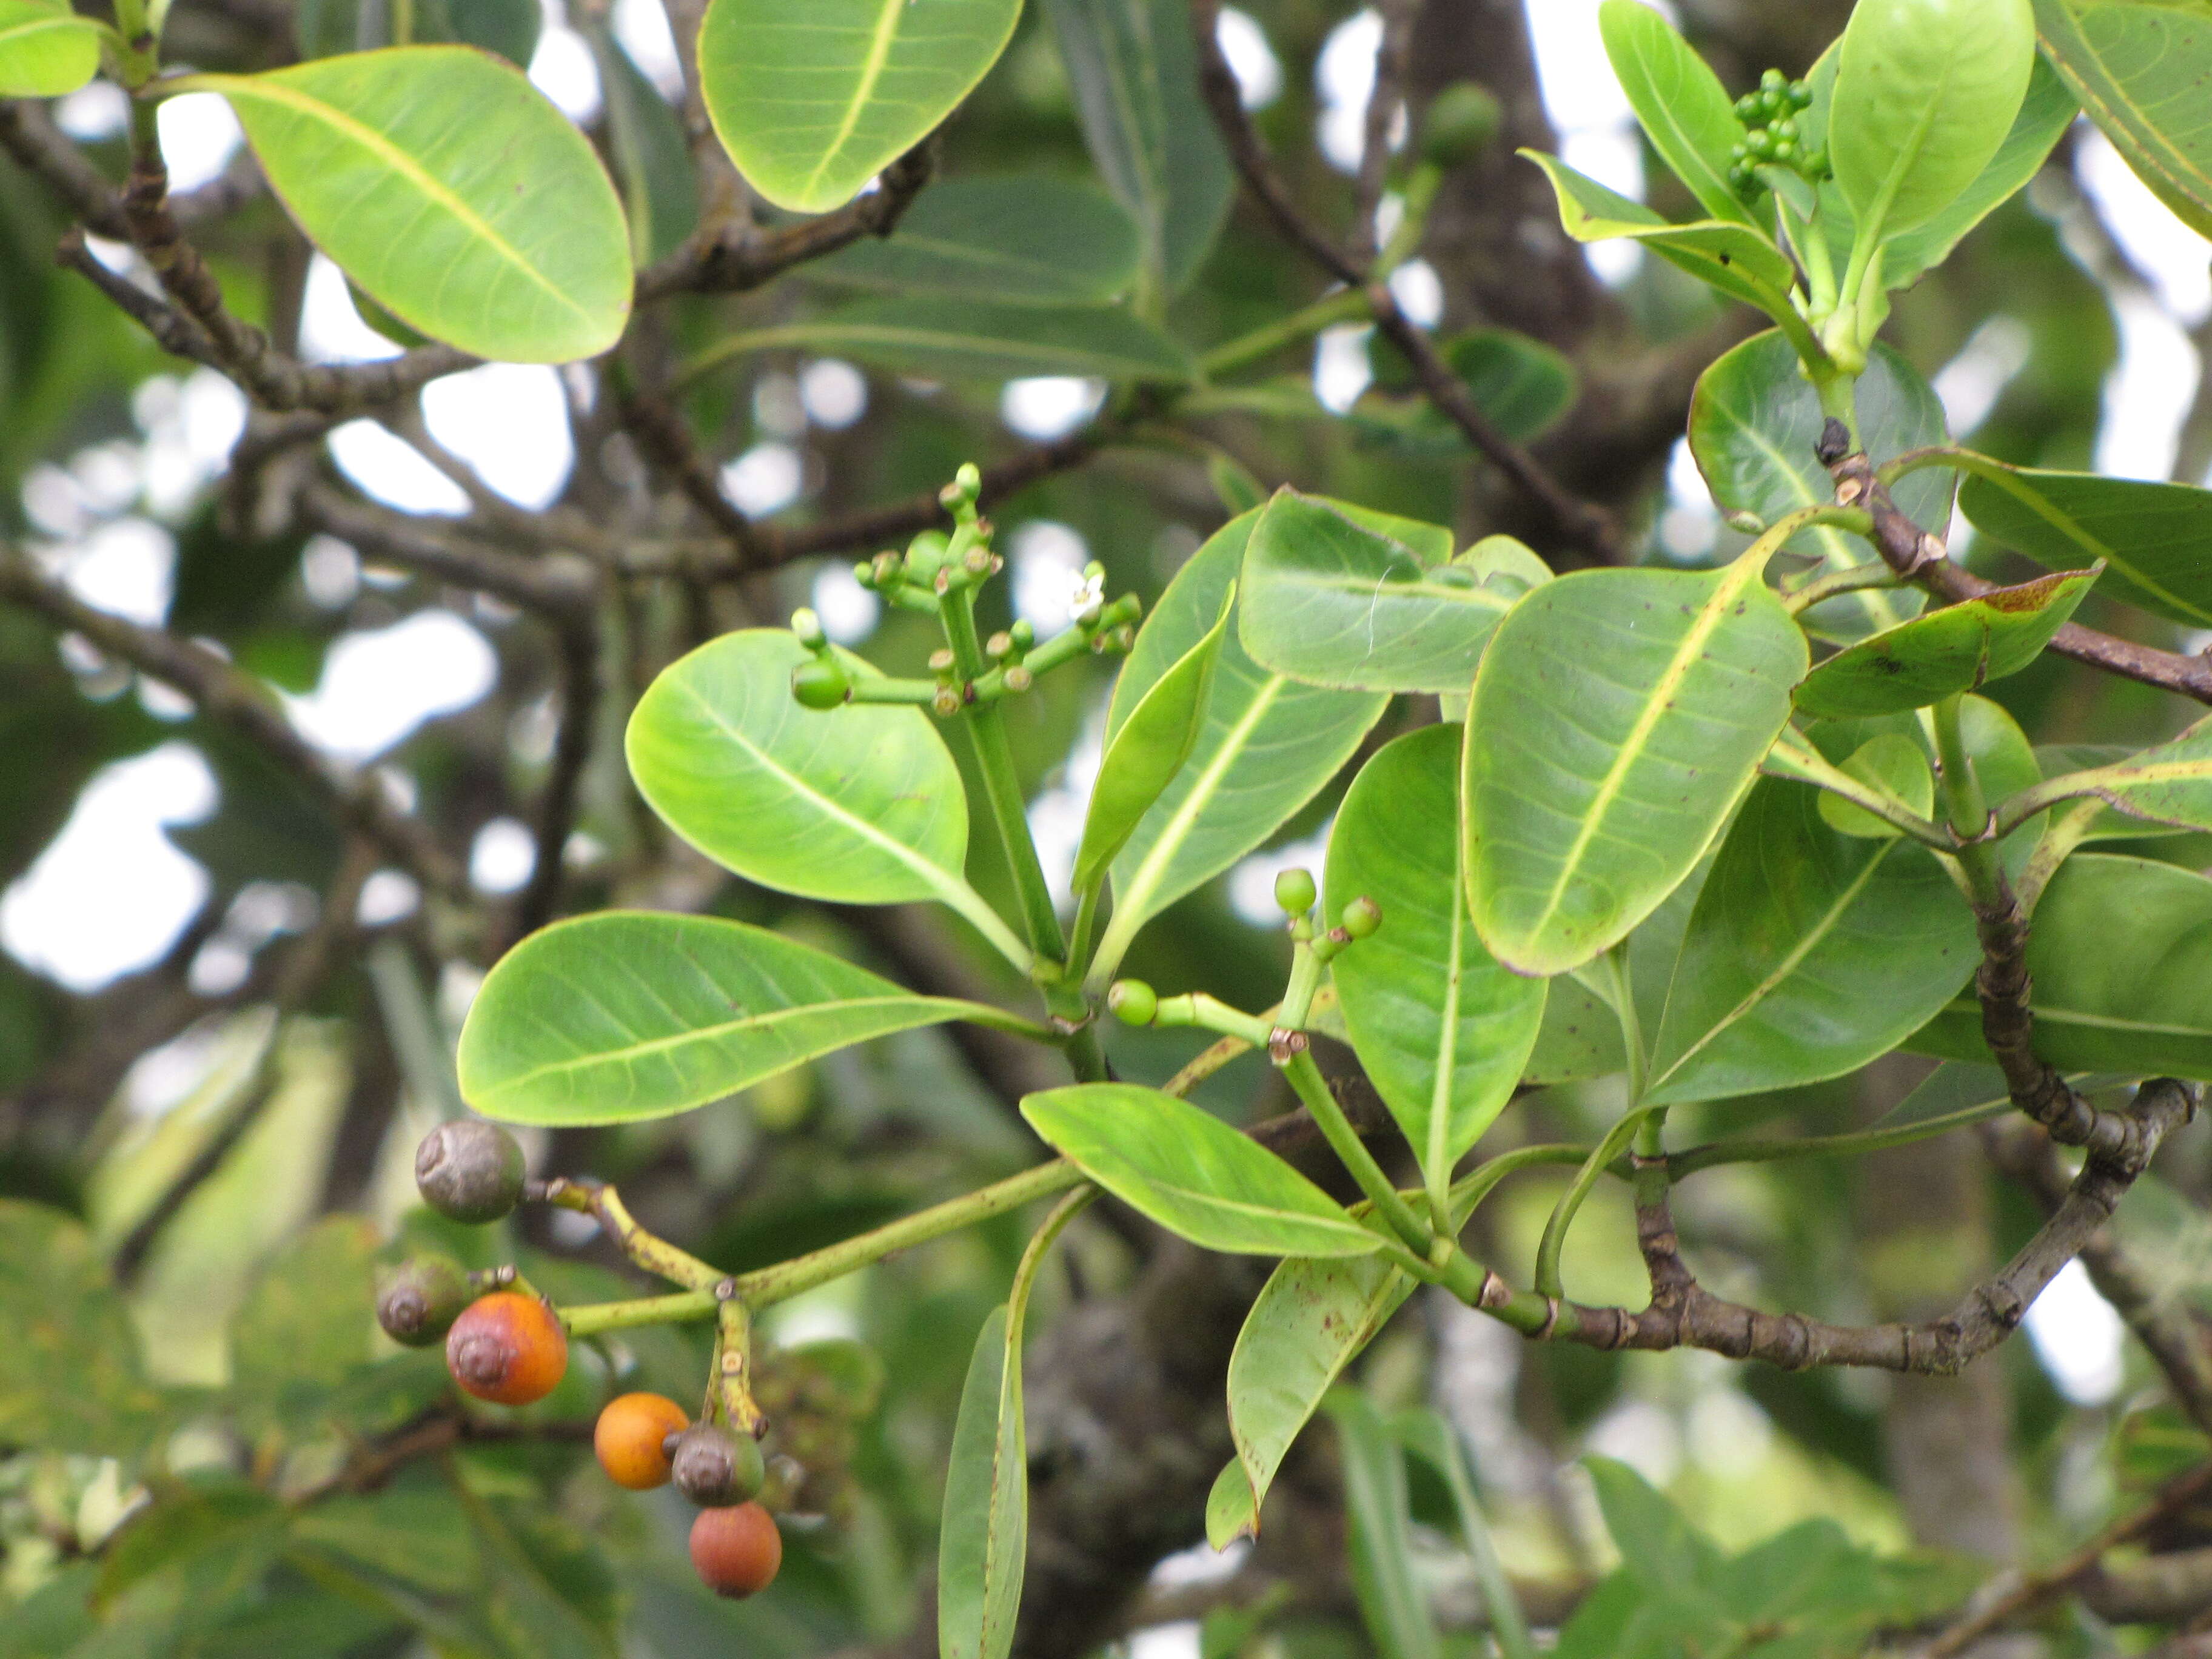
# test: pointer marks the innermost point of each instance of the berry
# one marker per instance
(632, 1438)
(1294, 891)
(1460, 122)
(716, 1468)
(508, 1348)
(420, 1300)
(1361, 917)
(736, 1551)
(469, 1170)
(1133, 1002)
(820, 683)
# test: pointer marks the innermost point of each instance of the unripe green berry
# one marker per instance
(716, 1468)
(419, 1300)
(1294, 891)
(1460, 122)
(808, 627)
(1773, 81)
(1361, 917)
(1746, 107)
(1133, 1002)
(820, 684)
(469, 1170)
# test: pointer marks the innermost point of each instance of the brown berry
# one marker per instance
(419, 1299)
(632, 1436)
(736, 1551)
(507, 1347)
(716, 1468)
(469, 1170)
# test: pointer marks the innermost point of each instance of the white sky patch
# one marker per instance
(378, 685)
(2148, 391)
(1181, 1640)
(1972, 382)
(1590, 112)
(509, 421)
(126, 568)
(2176, 260)
(1047, 558)
(834, 393)
(1642, 1435)
(765, 479)
(1342, 368)
(1420, 292)
(199, 135)
(503, 857)
(562, 68)
(387, 896)
(849, 612)
(642, 26)
(391, 469)
(1252, 882)
(2078, 1337)
(111, 892)
(1048, 406)
(331, 572)
(98, 109)
(1259, 72)
(191, 427)
(331, 328)
(1056, 816)
(1689, 521)
(1344, 77)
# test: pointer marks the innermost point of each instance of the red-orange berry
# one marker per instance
(736, 1551)
(631, 1435)
(507, 1347)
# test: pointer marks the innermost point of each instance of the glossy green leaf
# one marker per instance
(1957, 1093)
(1958, 648)
(813, 101)
(1754, 419)
(1034, 239)
(1579, 1037)
(1525, 386)
(2155, 538)
(2139, 71)
(1268, 745)
(645, 142)
(1896, 766)
(1231, 1511)
(71, 1377)
(1589, 797)
(624, 1015)
(1685, 112)
(45, 49)
(2168, 784)
(984, 1537)
(1808, 953)
(499, 234)
(2121, 957)
(2004, 762)
(1135, 73)
(942, 337)
(1392, 1603)
(1440, 1028)
(1331, 602)
(1925, 91)
(1192, 1173)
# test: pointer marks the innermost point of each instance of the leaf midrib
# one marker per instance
(871, 71)
(2072, 528)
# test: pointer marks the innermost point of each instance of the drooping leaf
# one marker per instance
(947, 337)
(2121, 957)
(2168, 784)
(1034, 239)
(1442, 1029)
(441, 180)
(46, 50)
(1754, 419)
(1808, 953)
(1135, 77)
(1391, 1602)
(1958, 648)
(1268, 744)
(625, 1015)
(985, 1535)
(70, 1377)
(1150, 747)
(1231, 1511)
(1588, 797)
(2138, 70)
(1192, 1173)
(2155, 538)
(1681, 103)
(1330, 601)
(811, 102)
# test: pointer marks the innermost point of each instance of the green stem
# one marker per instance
(1682, 1165)
(1313, 1090)
(1624, 1011)
(1340, 306)
(1548, 1280)
(1851, 580)
(1792, 757)
(137, 62)
(1017, 1298)
(1839, 401)
(1965, 808)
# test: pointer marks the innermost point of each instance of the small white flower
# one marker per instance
(1088, 593)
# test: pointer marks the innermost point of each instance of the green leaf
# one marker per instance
(429, 214)
(812, 102)
(625, 1015)
(985, 1533)
(1034, 239)
(1897, 766)
(305, 1326)
(944, 337)
(1440, 1028)
(1925, 91)
(1960, 647)
(1580, 1036)
(2155, 538)
(46, 50)
(1147, 751)
(1231, 1511)
(1192, 1173)
(1391, 1602)
(71, 1377)
(1657, 1545)
(2121, 959)
(1588, 797)
(1754, 420)
(861, 805)
(1330, 601)
(2169, 784)
(1688, 117)
(1268, 744)
(646, 141)
(1428, 1435)
(1135, 73)
(2005, 762)
(1809, 953)
(2139, 71)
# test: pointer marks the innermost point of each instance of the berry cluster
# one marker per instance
(1770, 137)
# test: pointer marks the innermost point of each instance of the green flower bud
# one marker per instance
(1294, 891)
(1133, 1002)
(469, 1170)
(1746, 107)
(418, 1301)
(1361, 917)
(820, 684)
(1774, 81)
(1460, 122)
(808, 627)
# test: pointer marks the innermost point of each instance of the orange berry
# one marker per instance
(736, 1551)
(628, 1436)
(507, 1347)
